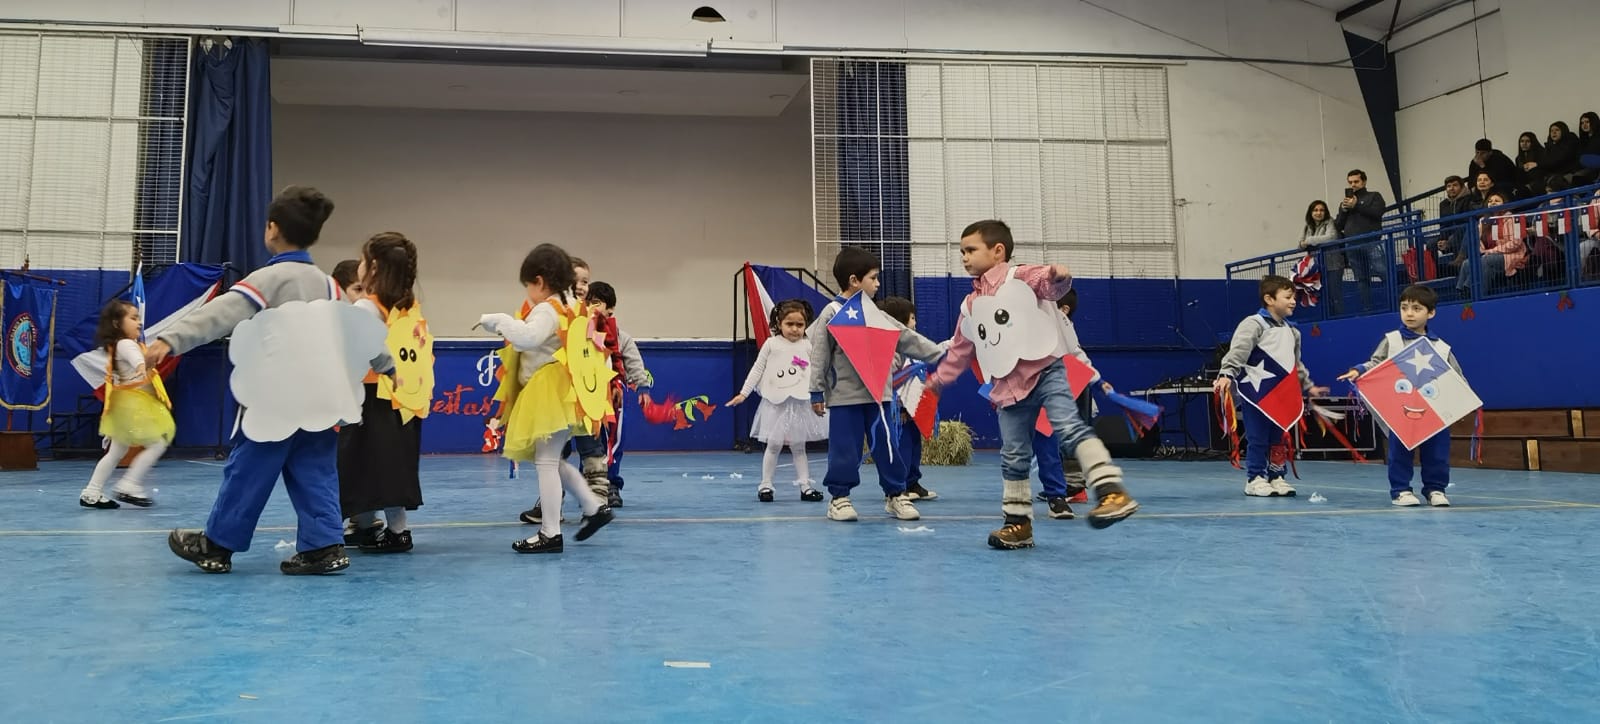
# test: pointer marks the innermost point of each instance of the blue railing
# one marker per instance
(1534, 245)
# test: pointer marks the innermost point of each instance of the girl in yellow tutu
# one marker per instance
(137, 411)
(541, 406)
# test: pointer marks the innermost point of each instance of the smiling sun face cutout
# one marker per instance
(410, 389)
(591, 372)
(1010, 326)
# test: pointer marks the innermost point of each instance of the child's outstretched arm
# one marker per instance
(1049, 281)
(757, 371)
(957, 356)
(210, 322)
(1378, 356)
(525, 335)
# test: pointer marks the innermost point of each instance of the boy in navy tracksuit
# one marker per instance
(853, 414)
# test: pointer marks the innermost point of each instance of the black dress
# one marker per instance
(378, 459)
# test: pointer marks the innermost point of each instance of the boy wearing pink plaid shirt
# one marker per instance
(1009, 323)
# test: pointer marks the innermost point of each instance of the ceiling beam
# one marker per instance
(1354, 10)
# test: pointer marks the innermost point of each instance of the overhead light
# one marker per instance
(707, 14)
(531, 43)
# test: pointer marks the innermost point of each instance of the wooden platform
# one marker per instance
(1566, 441)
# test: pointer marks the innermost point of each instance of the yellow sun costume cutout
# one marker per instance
(410, 388)
(560, 396)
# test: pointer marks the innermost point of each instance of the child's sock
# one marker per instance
(578, 486)
(769, 460)
(802, 467)
(1015, 501)
(396, 519)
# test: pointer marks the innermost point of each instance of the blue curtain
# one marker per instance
(230, 156)
(874, 198)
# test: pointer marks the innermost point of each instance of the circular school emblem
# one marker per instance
(19, 344)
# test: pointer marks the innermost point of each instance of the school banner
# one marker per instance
(28, 311)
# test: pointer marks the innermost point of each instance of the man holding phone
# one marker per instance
(1361, 212)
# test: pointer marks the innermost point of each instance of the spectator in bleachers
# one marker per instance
(1501, 249)
(1529, 154)
(1487, 158)
(1546, 245)
(1588, 145)
(1483, 184)
(1457, 200)
(1319, 226)
(1589, 246)
(1560, 152)
(1361, 212)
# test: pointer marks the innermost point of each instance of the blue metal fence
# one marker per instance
(1540, 244)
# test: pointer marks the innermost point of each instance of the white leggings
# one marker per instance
(769, 463)
(132, 481)
(555, 474)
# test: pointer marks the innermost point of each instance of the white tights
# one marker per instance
(555, 474)
(132, 482)
(769, 463)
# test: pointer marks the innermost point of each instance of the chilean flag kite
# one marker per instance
(1417, 393)
(921, 403)
(1079, 375)
(868, 338)
(1270, 381)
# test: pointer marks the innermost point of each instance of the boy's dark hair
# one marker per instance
(108, 331)
(1357, 172)
(853, 261)
(787, 307)
(992, 231)
(1070, 301)
(550, 264)
(299, 212)
(345, 272)
(1421, 295)
(1271, 284)
(603, 293)
(391, 269)
(898, 307)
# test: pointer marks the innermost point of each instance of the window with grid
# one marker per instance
(1077, 159)
(91, 149)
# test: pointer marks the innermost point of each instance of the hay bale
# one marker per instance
(951, 446)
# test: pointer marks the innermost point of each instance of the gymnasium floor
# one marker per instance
(1207, 606)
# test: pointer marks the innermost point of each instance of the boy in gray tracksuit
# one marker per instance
(853, 414)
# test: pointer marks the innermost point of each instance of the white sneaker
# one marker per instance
(1260, 488)
(1281, 487)
(841, 509)
(900, 507)
(1407, 499)
(1437, 499)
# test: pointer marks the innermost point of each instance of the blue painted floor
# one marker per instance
(1207, 606)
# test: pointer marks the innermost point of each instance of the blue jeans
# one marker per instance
(848, 425)
(1017, 422)
(1435, 464)
(1052, 473)
(308, 462)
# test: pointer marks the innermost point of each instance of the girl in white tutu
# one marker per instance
(137, 411)
(782, 378)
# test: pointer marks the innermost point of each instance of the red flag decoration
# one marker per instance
(760, 305)
(1416, 393)
(1079, 375)
(681, 415)
(919, 401)
(868, 338)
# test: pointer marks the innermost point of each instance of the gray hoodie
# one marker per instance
(835, 381)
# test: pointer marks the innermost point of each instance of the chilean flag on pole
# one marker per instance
(760, 305)
(919, 401)
(1270, 381)
(1417, 393)
(868, 338)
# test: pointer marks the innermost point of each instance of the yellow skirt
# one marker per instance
(136, 419)
(546, 405)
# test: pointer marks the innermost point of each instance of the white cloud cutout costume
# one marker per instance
(299, 366)
(1013, 325)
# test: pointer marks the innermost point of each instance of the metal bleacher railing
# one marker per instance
(1540, 244)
